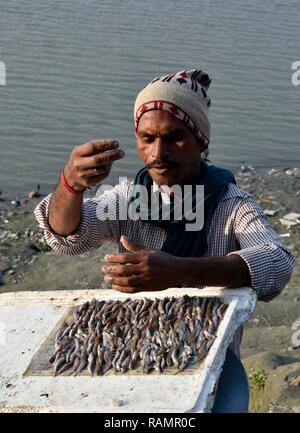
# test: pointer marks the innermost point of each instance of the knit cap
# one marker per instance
(184, 95)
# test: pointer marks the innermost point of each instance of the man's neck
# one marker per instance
(166, 189)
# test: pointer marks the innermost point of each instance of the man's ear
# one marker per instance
(204, 154)
(203, 146)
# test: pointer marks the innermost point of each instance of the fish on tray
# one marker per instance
(152, 335)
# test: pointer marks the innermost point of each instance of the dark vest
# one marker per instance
(179, 241)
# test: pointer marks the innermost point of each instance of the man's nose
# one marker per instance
(160, 149)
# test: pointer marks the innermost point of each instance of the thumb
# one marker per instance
(131, 246)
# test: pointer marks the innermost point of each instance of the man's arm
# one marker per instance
(227, 271)
(64, 211)
(145, 269)
(93, 230)
(262, 261)
(73, 225)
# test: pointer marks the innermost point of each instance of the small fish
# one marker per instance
(74, 330)
(147, 303)
(115, 358)
(76, 363)
(53, 356)
(82, 308)
(208, 312)
(91, 363)
(58, 363)
(162, 364)
(108, 362)
(160, 307)
(125, 364)
(211, 327)
(146, 360)
(202, 351)
(221, 311)
(82, 364)
(183, 363)
(65, 367)
(121, 335)
(121, 358)
(60, 331)
(200, 339)
(134, 359)
(209, 344)
(208, 335)
(174, 357)
(215, 320)
(69, 353)
(157, 366)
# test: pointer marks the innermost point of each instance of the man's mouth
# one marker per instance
(162, 167)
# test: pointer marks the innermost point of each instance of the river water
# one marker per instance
(74, 68)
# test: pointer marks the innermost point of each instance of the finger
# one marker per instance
(105, 169)
(127, 289)
(123, 258)
(100, 159)
(95, 146)
(92, 181)
(132, 281)
(131, 246)
(123, 270)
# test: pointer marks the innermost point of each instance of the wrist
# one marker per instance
(71, 186)
(185, 271)
(195, 270)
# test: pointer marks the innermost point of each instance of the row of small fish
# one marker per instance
(148, 334)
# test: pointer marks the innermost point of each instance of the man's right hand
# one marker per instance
(91, 162)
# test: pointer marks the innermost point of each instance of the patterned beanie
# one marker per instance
(184, 95)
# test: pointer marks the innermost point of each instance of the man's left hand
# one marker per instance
(141, 269)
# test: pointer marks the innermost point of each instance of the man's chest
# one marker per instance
(220, 236)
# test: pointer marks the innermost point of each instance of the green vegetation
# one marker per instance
(258, 379)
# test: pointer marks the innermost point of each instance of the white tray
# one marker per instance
(27, 319)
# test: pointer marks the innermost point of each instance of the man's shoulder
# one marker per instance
(234, 192)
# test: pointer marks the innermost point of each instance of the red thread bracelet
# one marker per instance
(68, 187)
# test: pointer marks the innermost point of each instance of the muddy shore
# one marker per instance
(269, 350)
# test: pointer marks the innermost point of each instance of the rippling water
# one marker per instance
(74, 69)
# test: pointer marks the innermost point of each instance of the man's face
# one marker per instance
(171, 152)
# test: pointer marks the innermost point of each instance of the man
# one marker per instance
(236, 247)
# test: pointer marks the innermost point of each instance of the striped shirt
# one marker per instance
(238, 226)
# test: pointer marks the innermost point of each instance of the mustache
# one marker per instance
(159, 162)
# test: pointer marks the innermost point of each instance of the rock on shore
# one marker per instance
(274, 382)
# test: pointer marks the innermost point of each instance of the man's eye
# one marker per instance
(176, 138)
(148, 139)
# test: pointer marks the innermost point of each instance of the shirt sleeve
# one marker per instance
(99, 223)
(270, 263)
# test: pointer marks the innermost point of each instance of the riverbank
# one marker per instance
(27, 263)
